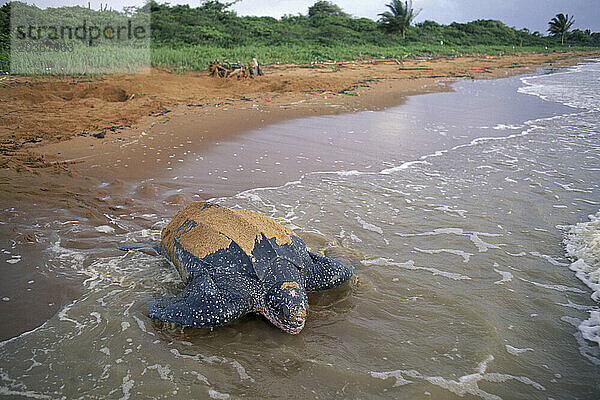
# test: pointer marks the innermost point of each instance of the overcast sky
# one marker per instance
(532, 14)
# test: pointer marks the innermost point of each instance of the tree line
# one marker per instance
(213, 23)
(327, 24)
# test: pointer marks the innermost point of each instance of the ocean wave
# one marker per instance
(465, 385)
(573, 87)
(410, 265)
(583, 246)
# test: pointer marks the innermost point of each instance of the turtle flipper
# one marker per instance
(326, 273)
(201, 304)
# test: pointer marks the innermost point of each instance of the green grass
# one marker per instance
(4, 60)
(82, 60)
(198, 57)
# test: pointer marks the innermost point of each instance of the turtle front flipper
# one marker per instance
(201, 304)
(326, 273)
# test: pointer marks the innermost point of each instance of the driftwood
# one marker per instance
(226, 69)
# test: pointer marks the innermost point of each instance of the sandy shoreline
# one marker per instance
(453, 207)
(48, 121)
(49, 166)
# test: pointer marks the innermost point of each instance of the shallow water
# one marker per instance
(469, 217)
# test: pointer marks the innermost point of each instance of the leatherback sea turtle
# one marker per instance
(236, 261)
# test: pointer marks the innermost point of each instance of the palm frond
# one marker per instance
(399, 17)
(560, 25)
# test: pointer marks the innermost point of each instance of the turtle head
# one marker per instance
(286, 306)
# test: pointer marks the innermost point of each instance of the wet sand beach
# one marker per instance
(37, 111)
(377, 163)
(52, 160)
(148, 124)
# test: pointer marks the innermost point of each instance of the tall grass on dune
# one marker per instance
(82, 60)
(198, 57)
(74, 40)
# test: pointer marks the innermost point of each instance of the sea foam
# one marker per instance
(583, 246)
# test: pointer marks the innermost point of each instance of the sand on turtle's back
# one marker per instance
(217, 227)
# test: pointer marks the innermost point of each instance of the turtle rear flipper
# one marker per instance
(326, 273)
(201, 304)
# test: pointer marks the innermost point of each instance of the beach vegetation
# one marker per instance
(560, 25)
(4, 37)
(321, 8)
(399, 17)
(185, 37)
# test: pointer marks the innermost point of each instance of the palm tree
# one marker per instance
(560, 25)
(400, 16)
